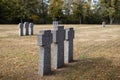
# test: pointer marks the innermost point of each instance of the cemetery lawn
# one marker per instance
(96, 54)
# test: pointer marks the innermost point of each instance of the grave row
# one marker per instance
(62, 53)
(25, 28)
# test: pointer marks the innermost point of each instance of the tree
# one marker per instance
(67, 11)
(15, 10)
(42, 10)
(55, 9)
(67, 7)
(26, 8)
(5, 11)
(109, 8)
(117, 11)
(78, 9)
(81, 9)
(2, 11)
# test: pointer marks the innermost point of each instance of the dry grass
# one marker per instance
(96, 54)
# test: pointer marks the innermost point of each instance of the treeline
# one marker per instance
(65, 11)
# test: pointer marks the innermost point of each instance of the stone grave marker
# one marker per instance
(31, 25)
(58, 47)
(68, 45)
(103, 24)
(26, 27)
(55, 23)
(20, 25)
(44, 43)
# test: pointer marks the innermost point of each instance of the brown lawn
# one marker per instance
(96, 54)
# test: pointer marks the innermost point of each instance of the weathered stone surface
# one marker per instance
(68, 45)
(31, 26)
(58, 47)
(26, 27)
(55, 23)
(20, 25)
(103, 24)
(44, 42)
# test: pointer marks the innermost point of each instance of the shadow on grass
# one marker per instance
(84, 69)
(90, 69)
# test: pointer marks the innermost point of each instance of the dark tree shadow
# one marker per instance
(90, 69)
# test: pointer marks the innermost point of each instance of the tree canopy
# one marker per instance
(65, 11)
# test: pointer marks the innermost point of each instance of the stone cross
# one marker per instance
(26, 26)
(55, 23)
(44, 43)
(103, 24)
(31, 25)
(68, 45)
(20, 29)
(58, 47)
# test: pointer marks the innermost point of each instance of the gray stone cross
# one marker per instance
(44, 43)
(20, 29)
(26, 26)
(103, 24)
(31, 25)
(68, 45)
(55, 23)
(58, 47)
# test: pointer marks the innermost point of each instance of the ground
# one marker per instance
(96, 54)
